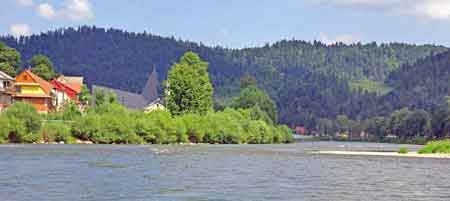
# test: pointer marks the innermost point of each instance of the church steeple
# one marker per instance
(150, 90)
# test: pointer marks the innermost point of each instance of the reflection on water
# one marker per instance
(217, 172)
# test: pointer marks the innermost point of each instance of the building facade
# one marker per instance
(6, 90)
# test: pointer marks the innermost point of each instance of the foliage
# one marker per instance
(370, 86)
(403, 150)
(436, 147)
(9, 60)
(84, 96)
(229, 126)
(26, 114)
(189, 89)
(377, 126)
(42, 66)
(56, 131)
(102, 96)
(254, 97)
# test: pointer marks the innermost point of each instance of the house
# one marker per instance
(6, 90)
(135, 100)
(74, 82)
(66, 89)
(300, 130)
(34, 90)
(157, 105)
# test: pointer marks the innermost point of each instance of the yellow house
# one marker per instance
(34, 90)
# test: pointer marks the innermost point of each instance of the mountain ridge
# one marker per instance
(302, 77)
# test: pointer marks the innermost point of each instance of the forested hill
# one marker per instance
(308, 80)
(423, 84)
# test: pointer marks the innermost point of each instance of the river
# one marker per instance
(217, 173)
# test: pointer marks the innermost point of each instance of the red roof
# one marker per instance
(59, 86)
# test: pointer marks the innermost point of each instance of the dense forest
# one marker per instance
(307, 80)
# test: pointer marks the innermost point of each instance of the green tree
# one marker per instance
(326, 127)
(102, 96)
(253, 96)
(397, 124)
(418, 124)
(42, 66)
(188, 87)
(377, 126)
(343, 123)
(24, 121)
(248, 81)
(84, 96)
(441, 120)
(9, 60)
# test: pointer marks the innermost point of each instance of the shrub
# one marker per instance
(286, 133)
(133, 139)
(441, 147)
(56, 131)
(4, 129)
(13, 129)
(27, 114)
(403, 150)
(195, 127)
(86, 127)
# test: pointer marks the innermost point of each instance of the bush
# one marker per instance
(133, 139)
(27, 114)
(436, 147)
(4, 129)
(403, 150)
(110, 122)
(56, 131)
(86, 127)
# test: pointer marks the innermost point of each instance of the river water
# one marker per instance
(217, 172)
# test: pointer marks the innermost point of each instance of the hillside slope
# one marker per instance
(423, 84)
(307, 80)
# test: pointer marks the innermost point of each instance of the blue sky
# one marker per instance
(242, 23)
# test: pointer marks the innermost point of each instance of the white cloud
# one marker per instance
(20, 30)
(78, 10)
(74, 10)
(436, 9)
(342, 38)
(428, 9)
(25, 3)
(46, 10)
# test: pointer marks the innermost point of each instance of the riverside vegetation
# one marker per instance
(190, 117)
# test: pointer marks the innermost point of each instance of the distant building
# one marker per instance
(34, 90)
(134, 100)
(299, 130)
(157, 105)
(6, 90)
(66, 89)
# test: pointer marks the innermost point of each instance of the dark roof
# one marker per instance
(128, 99)
(133, 100)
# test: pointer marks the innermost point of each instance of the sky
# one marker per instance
(241, 23)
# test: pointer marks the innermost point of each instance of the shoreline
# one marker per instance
(373, 153)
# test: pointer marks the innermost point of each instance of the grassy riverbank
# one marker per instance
(112, 123)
